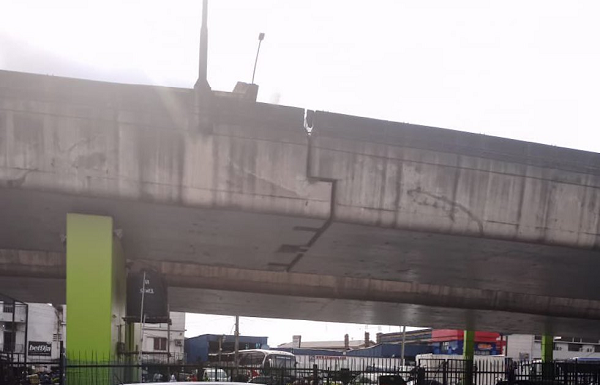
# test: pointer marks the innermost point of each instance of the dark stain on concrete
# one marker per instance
(28, 135)
(79, 143)
(455, 189)
(161, 150)
(28, 130)
(597, 210)
(95, 161)
(445, 204)
(3, 136)
(523, 181)
(15, 182)
(383, 188)
(581, 210)
(399, 175)
(543, 207)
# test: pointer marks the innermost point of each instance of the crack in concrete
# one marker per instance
(241, 169)
(17, 181)
(78, 143)
(454, 206)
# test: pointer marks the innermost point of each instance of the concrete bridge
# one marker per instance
(245, 212)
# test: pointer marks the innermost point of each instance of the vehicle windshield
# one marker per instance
(281, 361)
(252, 358)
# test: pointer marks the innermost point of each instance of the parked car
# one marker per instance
(270, 380)
(216, 375)
(374, 379)
(194, 383)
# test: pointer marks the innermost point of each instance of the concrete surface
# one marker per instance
(221, 181)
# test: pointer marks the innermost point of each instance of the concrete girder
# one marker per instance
(192, 276)
(234, 184)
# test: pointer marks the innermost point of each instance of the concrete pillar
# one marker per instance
(469, 345)
(468, 355)
(547, 348)
(96, 287)
(547, 357)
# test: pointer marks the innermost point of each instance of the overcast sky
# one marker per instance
(281, 331)
(526, 70)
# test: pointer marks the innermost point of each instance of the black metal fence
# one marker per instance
(501, 371)
(497, 371)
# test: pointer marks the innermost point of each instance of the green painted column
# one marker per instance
(469, 345)
(547, 348)
(96, 287)
(547, 357)
(468, 355)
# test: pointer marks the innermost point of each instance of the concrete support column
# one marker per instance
(547, 348)
(468, 355)
(96, 289)
(547, 357)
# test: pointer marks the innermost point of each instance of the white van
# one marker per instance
(215, 374)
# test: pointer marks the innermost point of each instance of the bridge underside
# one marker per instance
(231, 262)
(333, 310)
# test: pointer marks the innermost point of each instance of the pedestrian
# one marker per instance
(173, 379)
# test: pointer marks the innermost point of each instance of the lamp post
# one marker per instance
(261, 37)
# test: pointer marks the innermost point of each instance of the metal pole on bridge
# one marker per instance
(403, 342)
(237, 343)
(142, 320)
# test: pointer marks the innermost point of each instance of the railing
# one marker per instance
(500, 371)
(163, 358)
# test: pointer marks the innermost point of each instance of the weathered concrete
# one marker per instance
(221, 181)
(428, 179)
(428, 303)
(187, 275)
(140, 142)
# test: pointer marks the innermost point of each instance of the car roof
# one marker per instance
(265, 351)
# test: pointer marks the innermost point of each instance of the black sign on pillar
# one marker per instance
(154, 289)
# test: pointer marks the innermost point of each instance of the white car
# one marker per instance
(215, 374)
(194, 383)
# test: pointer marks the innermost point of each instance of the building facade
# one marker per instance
(450, 341)
(529, 347)
(206, 346)
(164, 342)
(35, 331)
(32, 331)
(13, 329)
(445, 341)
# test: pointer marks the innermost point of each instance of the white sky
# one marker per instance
(281, 331)
(526, 70)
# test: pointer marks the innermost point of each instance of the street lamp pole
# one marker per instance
(261, 37)
(142, 319)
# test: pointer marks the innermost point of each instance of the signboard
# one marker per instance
(336, 358)
(152, 285)
(37, 348)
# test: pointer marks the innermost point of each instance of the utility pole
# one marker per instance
(261, 37)
(142, 319)
(403, 343)
(237, 343)
(169, 338)
(203, 65)
(220, 348)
